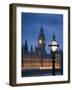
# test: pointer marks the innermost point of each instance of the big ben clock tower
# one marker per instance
(41, 40)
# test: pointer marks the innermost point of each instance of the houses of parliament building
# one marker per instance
(39, 58)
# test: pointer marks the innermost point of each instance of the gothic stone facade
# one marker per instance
(39, 59)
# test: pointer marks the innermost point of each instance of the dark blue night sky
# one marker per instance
(51, 23)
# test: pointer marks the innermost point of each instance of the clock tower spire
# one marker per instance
(41, 39)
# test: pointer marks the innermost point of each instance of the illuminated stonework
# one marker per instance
(39, 59)
(34, 62)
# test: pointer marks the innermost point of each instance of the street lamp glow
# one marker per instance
(53, 45)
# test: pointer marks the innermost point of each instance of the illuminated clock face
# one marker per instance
(40, 41)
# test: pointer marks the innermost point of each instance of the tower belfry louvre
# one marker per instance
(38, 58)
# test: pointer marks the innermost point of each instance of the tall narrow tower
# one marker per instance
(41, 39)
(41, 42)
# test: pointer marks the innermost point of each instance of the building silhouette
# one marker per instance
(39, 58)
